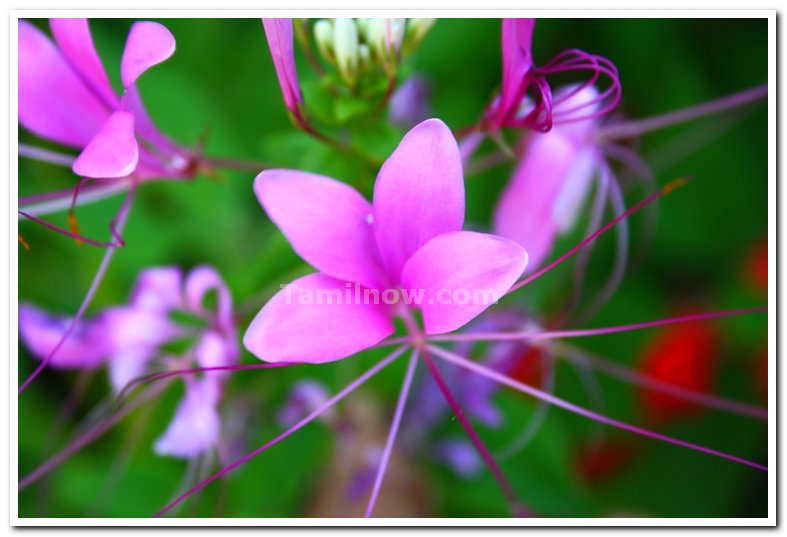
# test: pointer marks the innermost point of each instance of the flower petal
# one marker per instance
(461, 274)
(201, 281)
(196, 425)
(41, 332)
(525, 210)
(128, 363)
(54, 103)
(327, 222)
(419, 193)
(76, 44)
(158, 288)
(148, 44)
(281, 44)
(517, 37)
(113, 151)
(289, 329)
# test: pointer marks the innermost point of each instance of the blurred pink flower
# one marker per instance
(129, 338)
(65, 96)
(551, 181)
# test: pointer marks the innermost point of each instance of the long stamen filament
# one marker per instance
(389, 443)
(120, 223)
(559, 334)
(312, 416)
(666, 189)
(643, 126)
(502, 379)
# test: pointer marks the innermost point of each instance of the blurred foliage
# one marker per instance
(221, 82)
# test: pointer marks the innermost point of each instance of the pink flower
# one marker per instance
(281, 44)
(551, 181)
(65, 96)
(409, 240)
(526, 98)
(129, 338)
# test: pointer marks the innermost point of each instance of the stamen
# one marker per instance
(74, 225)
(88, 437)
(635, 377)
(389, 443)
(119, 223)
(45, 155)
(317, 412)
(668, 188)
(502, 379)
(643, 126)
(23, 242)
(483, 451)
(559, 334)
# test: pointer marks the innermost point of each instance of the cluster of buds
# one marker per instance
(366, 46)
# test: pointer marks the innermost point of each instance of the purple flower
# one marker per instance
(305, 397)
(551, 181)
(410, 103)
(129, 338)
(409, 241)
(526, 99)
(65, 96)
(282, 47)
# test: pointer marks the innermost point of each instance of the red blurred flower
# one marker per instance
(682, 355)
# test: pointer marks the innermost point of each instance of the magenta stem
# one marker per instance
(483, 451)
(559, 334)
(583, 359)
(502, 379)
(643, 126)
(110, 252)
(316, 413)
(67, 233)
(389, 443)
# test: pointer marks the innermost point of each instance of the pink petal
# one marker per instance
(517, 37)
(289, 330)
(280, 41)
(576, 186)
(196, 425)
(127, 364)
(113, 151)
(148, 44)
(201, 281)
(213, 350)
(419, 193)
(459, 267)
(327, 223)
(159, 288)
(524, 212)
(54, 103)
(76, 44)
(129, 327)
(84, 349)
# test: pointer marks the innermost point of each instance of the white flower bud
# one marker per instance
(323, 36)
(345, 46)
(416, 32)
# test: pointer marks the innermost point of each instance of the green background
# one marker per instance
(221, 81)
